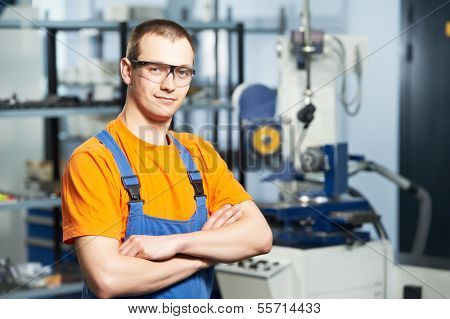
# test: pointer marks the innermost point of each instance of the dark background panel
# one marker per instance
(425, 121)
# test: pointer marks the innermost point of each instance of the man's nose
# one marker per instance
(168, 84)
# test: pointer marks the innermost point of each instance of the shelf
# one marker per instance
(31, 203)
(59, 25)
(64, 289)
(58, 111)
(107, 25)
(61, 111)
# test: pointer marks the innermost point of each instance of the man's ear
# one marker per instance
(125, 70)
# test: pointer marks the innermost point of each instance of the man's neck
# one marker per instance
(149, 131)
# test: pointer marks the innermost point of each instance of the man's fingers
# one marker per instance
(133, 251)
(124, 250)
(234, 218)
(218, 218)
(215, 215)
(124, 247)
(225, 216)
(127, 246)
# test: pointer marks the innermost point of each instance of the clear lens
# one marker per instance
(183, 73)
(157, 73)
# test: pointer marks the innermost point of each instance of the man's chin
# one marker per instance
(157, 113)
(164, 109)
(159, 118)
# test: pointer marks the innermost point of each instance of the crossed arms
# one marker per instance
(144, 264)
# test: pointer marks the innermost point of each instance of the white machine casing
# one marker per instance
(328, 125)
(356, 271)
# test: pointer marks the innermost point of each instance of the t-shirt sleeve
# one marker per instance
(90, 199)
(223, 188)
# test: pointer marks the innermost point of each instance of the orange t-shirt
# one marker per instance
(94, 201)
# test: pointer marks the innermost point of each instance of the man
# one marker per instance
(136, 198)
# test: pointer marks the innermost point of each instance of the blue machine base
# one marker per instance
(318, 225)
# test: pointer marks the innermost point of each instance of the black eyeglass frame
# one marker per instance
(172, 67)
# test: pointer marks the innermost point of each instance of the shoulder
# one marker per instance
(90, 156)
(93, 150)
(91, 147)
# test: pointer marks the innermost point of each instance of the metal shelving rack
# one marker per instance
(64, 289)
(60, 111)
(30, 203)
(52, 115)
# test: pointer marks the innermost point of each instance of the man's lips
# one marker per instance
(164, 98)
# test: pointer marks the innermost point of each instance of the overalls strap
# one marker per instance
(194, 174)
(130, 180)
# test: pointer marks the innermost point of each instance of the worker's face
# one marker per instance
(159, 101)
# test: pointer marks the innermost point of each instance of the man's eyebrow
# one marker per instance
(190, 66)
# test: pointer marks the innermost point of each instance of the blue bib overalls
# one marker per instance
(198, 285)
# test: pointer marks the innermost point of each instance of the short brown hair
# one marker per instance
(165, 28)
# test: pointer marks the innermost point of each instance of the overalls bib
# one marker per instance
(198, 285)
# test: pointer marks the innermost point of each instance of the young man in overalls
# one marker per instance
(150, 210)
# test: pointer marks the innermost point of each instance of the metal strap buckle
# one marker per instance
(133, 190)
(197, 184)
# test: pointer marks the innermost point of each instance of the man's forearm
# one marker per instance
(247, 237)
(128, 276)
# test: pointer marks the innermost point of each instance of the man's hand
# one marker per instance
(150, 247)
(228, 214)
(165, 247)
(155, 248)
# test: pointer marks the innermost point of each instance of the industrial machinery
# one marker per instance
(321, 250)
(324, 246)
